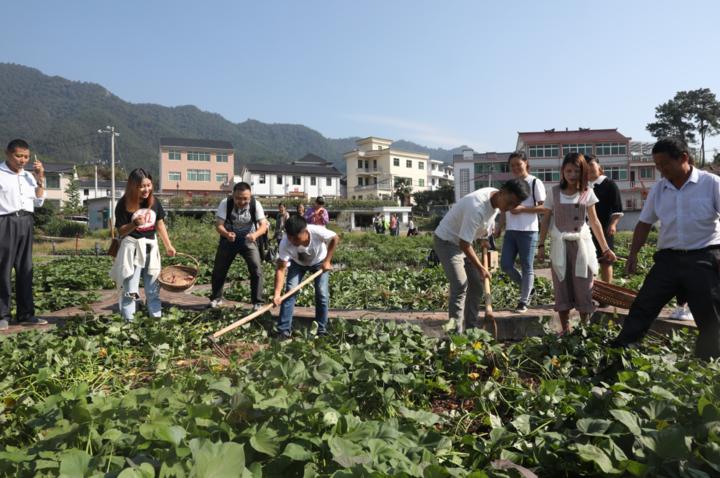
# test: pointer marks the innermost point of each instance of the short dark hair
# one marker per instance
(517, 154)
(241, 186)
(320, 200)
(673, 146)
(281, 204)
(17, 144)
(295, 225)
(518, 187)
(591, 158)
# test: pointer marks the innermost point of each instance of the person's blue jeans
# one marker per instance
(129, 293)
(322, 297)
(523, 244)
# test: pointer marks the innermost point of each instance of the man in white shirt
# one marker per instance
(470, 218)
(687, 204)
(20, 193)
(304, 248)
(240, 222)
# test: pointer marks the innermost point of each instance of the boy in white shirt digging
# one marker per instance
(304, 248)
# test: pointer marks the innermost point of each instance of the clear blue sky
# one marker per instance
(441, 73)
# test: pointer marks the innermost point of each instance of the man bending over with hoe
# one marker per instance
(304, 248)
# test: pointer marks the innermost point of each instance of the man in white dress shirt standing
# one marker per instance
(687, 262)
(20, 193)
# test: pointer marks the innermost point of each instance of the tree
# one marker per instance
(72, 205)
(688, 113)
(403, 190)
(445, 194)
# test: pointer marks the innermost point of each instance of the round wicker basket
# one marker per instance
(179, 278)
(614, 295)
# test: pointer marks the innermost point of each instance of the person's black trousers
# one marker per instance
(16, 240)
(694, 275)
(224, 256)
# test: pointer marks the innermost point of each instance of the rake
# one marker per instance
(213, 338)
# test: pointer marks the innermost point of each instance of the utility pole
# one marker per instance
(111, 131)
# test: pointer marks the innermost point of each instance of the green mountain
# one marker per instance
(60, 119)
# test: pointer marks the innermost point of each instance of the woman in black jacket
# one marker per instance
(609, 210)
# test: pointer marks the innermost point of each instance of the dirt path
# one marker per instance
(510, 325)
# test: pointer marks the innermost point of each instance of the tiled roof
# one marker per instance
(576, 136)
(293, 169)
(195, 143)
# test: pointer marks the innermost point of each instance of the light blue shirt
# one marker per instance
(17, 191)
(690, 216)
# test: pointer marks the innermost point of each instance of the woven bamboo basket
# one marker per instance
(179, 278)
(614, 295)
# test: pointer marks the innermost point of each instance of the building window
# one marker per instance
(86, 192)
(547, 174)
(261, 179)
(486, 168)
(198, 156)
(174, 155)
(279, 179)
(52, 181)
(360, 181)
(610, 149)
(616, 173)
(647, 173)
(421, 164)
(396, 161)
(313, 181)
(296, 180)
(360, 163)
(374, 163)
(421, 183)
(464, 181)
(174, 176)
(328, 181)
(221, 157)
(221, 177)
(544, 151)
(366, 164)
(433, 181)
(433, 167)
(577, 148)
(198, 175)
(408, 163)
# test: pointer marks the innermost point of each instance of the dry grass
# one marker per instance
(43, 247)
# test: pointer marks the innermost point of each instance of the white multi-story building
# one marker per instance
(439, 174)
(57, 180)
(91, 189)
(308, 177)
(478, 170)
(374, 168)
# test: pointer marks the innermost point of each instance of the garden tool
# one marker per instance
(486, 289)
(213, 338)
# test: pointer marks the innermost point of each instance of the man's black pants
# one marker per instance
(694, 275)
(16, 240)
(224, 257)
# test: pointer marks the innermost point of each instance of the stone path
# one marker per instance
(510, 325)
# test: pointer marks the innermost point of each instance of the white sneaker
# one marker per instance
(682, 313)
(216, 303)
(686, 314)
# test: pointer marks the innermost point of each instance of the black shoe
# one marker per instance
(283, 336)
(33, 321)
(521, 308)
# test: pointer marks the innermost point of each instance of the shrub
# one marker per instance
(61, 228)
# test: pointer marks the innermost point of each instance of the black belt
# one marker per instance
(22, 212)
(691, 251)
